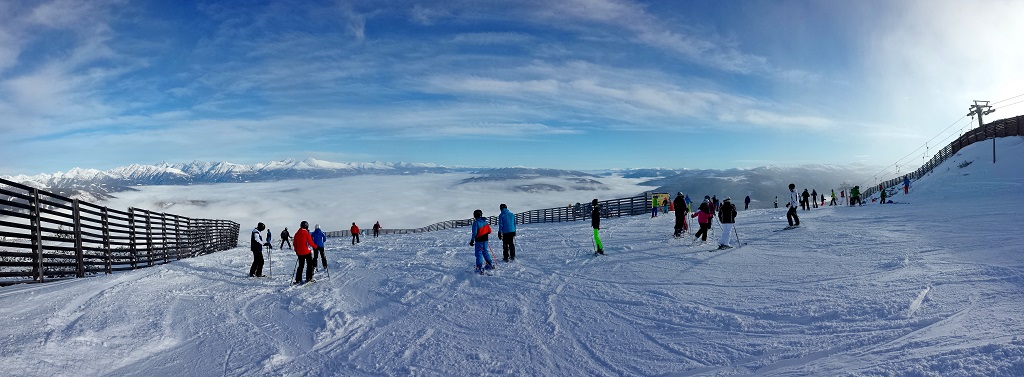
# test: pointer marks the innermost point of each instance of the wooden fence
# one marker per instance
(635, 205)
(45, 236)
(1000, 128)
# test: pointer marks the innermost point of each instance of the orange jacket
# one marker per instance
(303, 242)
(354, 229)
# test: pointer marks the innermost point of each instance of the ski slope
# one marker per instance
(932, 286)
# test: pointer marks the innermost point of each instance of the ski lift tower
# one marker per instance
(982, 108)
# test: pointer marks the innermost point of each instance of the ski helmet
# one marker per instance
(304, 225)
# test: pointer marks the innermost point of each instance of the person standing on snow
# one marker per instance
(376, 229)
(703, 216)
(805, 203)
(855, 196)
(791, 216)
(654, 206)
(776, 201)
(354, 230)
(284, 238)
(727, 216)
(681, 212)
(304, 247)
(688, 209)
(906, 184)
(269, 244)
(746, 203)
(320, 239)
(256, 269)
(507, 233)
(478, 239)
(833, 202)
(883, 196)
(664, 205)
(814, 197)
(595, 222)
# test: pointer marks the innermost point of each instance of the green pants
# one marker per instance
(597, 240)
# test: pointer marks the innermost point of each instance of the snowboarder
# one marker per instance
(478, 239)
(727, 216)
(746, 203)
(284, 238)
(376, 229)
(507, 233)
(303, 250)
(256, 269)
(354, 230)
(681, 212)
(320, 239)
(703, 216)
(595, 222)
(791, 216)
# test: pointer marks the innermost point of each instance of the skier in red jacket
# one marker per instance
(304, 247)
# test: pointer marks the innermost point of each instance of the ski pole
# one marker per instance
(737, 233)
(270, 260)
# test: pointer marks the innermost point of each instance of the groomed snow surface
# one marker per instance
(932, 286)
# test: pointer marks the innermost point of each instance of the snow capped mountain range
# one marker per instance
(97, 184)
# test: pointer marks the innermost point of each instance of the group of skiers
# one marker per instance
(480, 231)
(308, 247)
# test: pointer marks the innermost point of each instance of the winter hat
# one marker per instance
(679, 193)
(318, 226)
(727, 198)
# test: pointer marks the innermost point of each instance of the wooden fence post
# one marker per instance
(37, 233)
(149, 238)
(107, 254)
(131, 238)
(79, 254)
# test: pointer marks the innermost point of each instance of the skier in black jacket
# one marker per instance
(256, 269)
(284, 238)
(682, 222)
(727, 216)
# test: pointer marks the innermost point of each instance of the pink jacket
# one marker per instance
(702, 217)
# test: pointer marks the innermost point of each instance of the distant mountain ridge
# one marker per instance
(97, 184)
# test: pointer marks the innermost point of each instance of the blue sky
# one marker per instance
(575, 84)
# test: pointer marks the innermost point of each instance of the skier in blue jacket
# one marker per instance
(507, 233)
(319, 238)
(479, 239)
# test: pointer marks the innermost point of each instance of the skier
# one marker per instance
(478, 239)
(507, 233)
(727, 215)
(906, 184)
(791, 216)
(805, 203)
(284, 238)
(688, 209)
(814, 197)
(303, 250)
(595, 222)
(776, 201)
(664, 204)
(681, 212)
(269, 244)
(883, 196)
(376, 229)
(654, 206)
(256, 269)
(703, 216)
(746, 203)
(355, 233)
(842, 197)
(833, 202)
(319, 238)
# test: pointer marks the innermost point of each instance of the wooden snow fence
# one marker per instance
(45, 236)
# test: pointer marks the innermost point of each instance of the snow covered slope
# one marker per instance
(930, 287)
